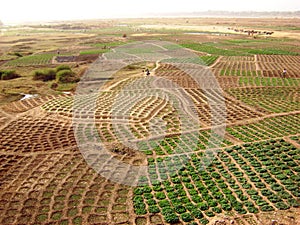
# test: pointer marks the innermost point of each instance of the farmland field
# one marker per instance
(195, 174)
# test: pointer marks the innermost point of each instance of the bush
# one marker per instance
(66, 76)
(62, 67)
(8, 74)
(44, 75)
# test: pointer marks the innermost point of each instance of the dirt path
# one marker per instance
(257, 67)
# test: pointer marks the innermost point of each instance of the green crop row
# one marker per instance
(249, 73)
(186, 143)
(266, 129)
(234, 49)
(245, 179)
(209, 59)
(269, 81)
(31, 60)
(277, 99)
(209, 48)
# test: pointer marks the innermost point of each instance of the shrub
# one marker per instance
(66, 76)
(62, 67)
(44, 75)
(54, 86)
(8, 74)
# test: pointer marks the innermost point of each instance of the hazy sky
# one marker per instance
(36, 10)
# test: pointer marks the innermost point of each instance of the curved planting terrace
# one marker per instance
(198, 177)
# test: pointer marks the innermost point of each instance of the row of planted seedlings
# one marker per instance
(296, 139)
(270, 99)
(269, 81)
(266, 129)
(185, 143)
(167, 170)
(84, 104)
(38, 59)
(244, 179)
(278, 59)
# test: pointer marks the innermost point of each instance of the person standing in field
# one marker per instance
(284, 72)
(147, 72)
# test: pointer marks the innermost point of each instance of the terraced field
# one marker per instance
(195, 175)
(179, 149)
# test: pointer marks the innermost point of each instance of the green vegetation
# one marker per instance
(62, 74)
(234, 48)
(109, 44)
(44, 75)
(268, 128)
(276, 99)
(31, 60)
(93, 51)
(270, 51)
(209, 60)
(239, 186)
(269, 81)
(66, 76)
(8, 74)
(211, 49)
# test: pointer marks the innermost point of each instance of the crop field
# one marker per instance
(195, 174)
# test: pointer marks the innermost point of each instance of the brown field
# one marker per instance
(254, 178)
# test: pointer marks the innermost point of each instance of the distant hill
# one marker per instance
(250, 14)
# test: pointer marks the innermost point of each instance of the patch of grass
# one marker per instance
(93, 51)
(109, 44)
(44, 75)
(8, 74)
(31, 60)
(209, 60)
(271, 51)
(211, 49)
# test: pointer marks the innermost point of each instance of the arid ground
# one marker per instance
(248, 176)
